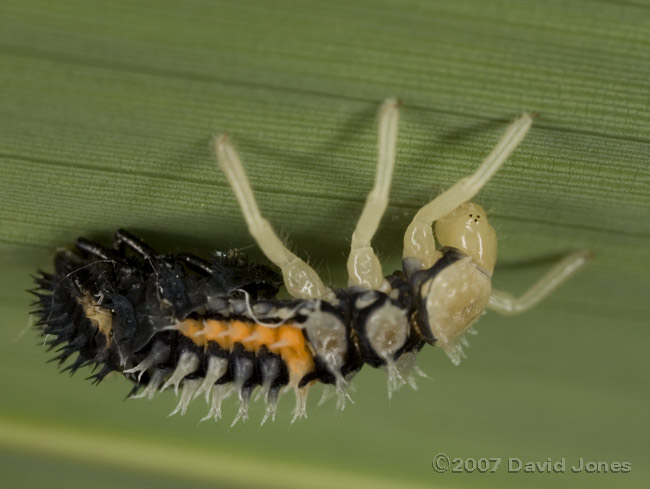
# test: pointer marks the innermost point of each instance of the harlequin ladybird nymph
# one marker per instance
(216, 327)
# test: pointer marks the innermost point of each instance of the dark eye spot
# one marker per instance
(470, 215)
(478, 215)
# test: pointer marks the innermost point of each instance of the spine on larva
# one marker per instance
(214, 328)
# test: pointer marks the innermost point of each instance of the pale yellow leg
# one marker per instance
(301, 280)
(418, 240)
(506, 304)
(364, 268)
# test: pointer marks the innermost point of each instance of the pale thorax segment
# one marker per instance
(455, 288)
(328, 338)
(387, 330)
(453, 300)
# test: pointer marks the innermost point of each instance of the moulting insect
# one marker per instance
(217, 328)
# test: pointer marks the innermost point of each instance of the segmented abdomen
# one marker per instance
(213, 328)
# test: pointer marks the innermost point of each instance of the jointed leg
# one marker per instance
(301, 280)
(94, 249)
(195, 263)
(504, 303)
(124, 238)
(364, 268)
(418, 240)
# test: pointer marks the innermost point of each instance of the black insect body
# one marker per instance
(131, 310)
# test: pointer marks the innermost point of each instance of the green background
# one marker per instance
(107, 110)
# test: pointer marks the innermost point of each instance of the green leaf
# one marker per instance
(107, 113)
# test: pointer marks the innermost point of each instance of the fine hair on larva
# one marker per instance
(216, 328)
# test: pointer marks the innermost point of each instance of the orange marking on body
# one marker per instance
(239, 331)
(98, 316)
(218, 331)
(291, 346)
(194, 330)
(286, 341)
(262, 336)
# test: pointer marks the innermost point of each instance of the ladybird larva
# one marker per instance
(217, 328)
